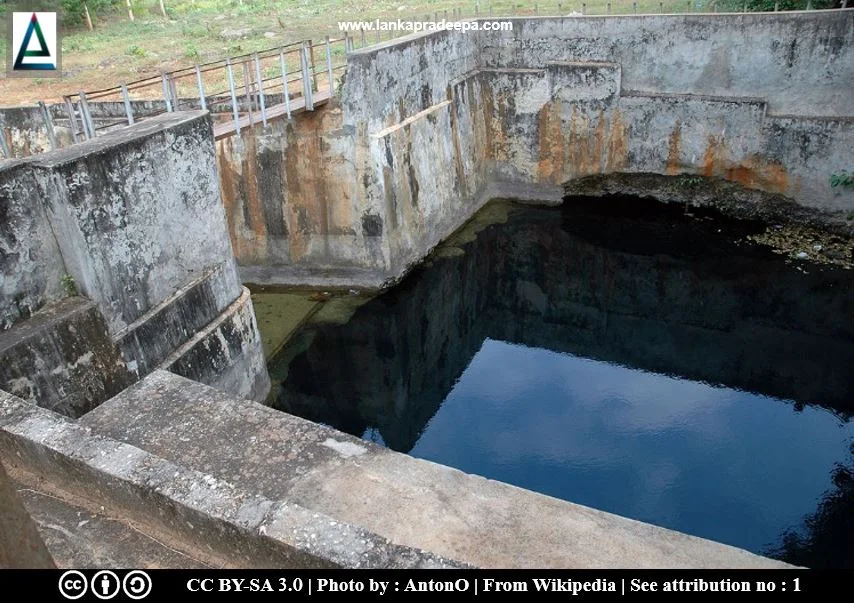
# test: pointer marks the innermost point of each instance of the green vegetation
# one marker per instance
(843, 178)
(69, 285)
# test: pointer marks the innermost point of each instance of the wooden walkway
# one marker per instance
(227, 128)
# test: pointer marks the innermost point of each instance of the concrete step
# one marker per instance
(410, 502)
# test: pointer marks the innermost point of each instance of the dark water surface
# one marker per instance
(615, 353)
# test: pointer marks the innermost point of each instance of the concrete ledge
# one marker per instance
(213, 520)
(62, 358)
(226, 354)
(411, 502)
(150, 339)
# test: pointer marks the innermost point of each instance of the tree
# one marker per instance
(79, 11)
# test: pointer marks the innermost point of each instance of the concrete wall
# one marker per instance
(31, 266)
(25, 131)
(800, 63)
(207, 518)
(429, 127)
(135, 221)
(63, 358)
(137, 214)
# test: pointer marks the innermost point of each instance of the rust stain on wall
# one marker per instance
(551, 142)
(253, 209)
(488, 121)
(756, 172)
(753, 171)
(306, 195)
(618, 143)
(715, 157)
(673, 151)
(229, 193)
(587, 144)
(461, 182)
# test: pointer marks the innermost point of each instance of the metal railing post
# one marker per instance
(128, 107)
(48, 124)
(329, 68)
(306, 84)
(87, 116)
(364, 38)
(230, 73)
(313, 65)
(201, 84)
(173, 90)
(72, 120)
(166, 93)
(248, 90)
(285, 90)
(261, 99)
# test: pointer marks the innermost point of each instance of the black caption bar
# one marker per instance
(284, 585)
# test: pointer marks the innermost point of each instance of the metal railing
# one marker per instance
(257, 86)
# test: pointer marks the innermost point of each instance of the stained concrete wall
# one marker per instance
(31, 266)
(801, 63)
(25, 131)
(134, 218)
(137, 214)
(429, 127)
(63, 358)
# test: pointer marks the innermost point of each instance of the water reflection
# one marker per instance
(571, 350)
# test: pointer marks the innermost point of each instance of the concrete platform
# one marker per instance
(408, 501)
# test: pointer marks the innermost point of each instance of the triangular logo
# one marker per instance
(43, 50)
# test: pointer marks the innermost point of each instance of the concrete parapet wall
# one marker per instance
(196, 512)
(26, 132)
(137, 213)
(226, 353)
(390, 495)
(801, 63)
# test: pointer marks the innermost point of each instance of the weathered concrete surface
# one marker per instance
(226, 354)
(292, 199)
(203, 517)
(31, 266)
(800, 62)
(21, 545)
(155, 335)
(359, 192)
(134, 221)
(409, 501)
(137, 213)
(63, 358)
(80, 536)
(26, 132)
